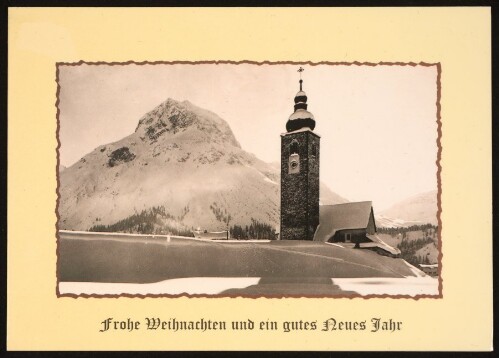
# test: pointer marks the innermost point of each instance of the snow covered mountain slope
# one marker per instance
(416, 210)
(181, 157)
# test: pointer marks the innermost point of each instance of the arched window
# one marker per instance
(314, 150)
(293, 148)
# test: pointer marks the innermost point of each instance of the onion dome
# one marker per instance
(300, 118)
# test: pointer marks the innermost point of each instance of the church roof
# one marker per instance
(301, 114)
(377, 242)
(341, 217)
(300, 118)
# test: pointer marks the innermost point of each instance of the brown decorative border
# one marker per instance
(355, 63)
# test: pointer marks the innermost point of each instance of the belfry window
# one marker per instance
(314, 150)
(293, 148)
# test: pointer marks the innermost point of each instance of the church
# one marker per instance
(302, 218)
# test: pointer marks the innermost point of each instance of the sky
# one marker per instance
(378, 125)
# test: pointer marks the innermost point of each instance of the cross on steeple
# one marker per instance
(300, 70)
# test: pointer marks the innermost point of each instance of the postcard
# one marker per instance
(211, 179)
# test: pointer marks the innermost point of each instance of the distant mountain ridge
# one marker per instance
(415, 210)
(182, 158)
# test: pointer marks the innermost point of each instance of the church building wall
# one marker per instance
(371, 226)
(350, 235)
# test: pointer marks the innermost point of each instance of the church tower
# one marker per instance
(299, 173)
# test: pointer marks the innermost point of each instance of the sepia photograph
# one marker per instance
(249, 179)
(246, 179)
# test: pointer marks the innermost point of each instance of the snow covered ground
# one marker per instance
(114, 264)
(191, 286)
(410, 286)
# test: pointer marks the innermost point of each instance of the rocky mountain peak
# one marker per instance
(172, 117)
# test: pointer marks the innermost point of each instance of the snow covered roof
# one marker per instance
(300, 118)
(383, 245)
(301, 114)
(341, 217)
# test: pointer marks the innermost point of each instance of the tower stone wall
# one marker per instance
(300, 188)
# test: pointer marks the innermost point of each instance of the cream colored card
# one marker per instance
(458, 39)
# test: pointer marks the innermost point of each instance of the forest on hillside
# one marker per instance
(412, 239)
(255, 231)
(157, 221)
(427, 229)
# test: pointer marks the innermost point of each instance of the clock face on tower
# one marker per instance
(294, 164)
